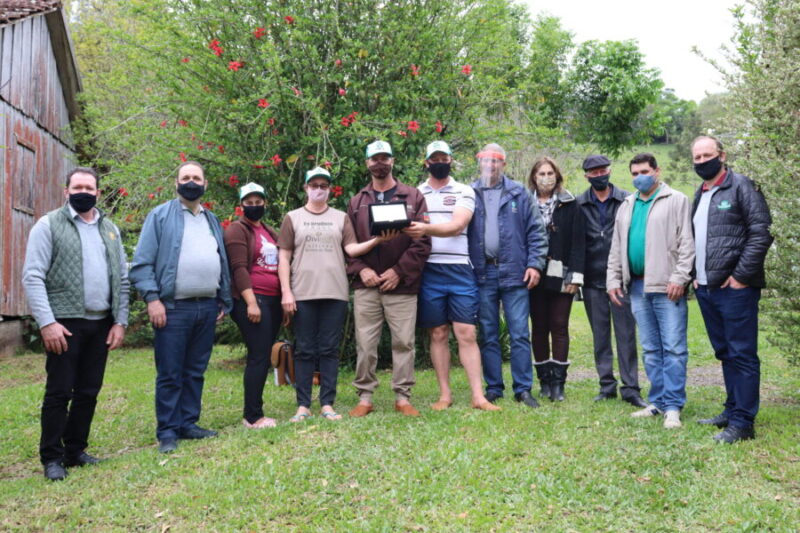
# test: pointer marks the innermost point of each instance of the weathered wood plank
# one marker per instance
(6, 62)
(24, 71)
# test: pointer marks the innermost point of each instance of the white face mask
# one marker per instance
(318, 196)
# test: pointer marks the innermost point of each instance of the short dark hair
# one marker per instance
(186, 164)
(544, 160)
(701, 137)
(644, 157)
(83, 170)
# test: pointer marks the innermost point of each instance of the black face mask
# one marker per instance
(82, 201)
(191, 191)
(709, 169)
(439, 171)
(254, 212)
(380, 170)
(599, 183)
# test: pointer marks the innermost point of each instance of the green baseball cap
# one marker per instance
(318, 172)
(251, 188)
(437, 146)
(379, 147)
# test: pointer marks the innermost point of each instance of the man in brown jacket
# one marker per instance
(386, 281)
(652, 253)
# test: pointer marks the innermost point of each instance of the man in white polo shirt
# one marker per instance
(449, 292)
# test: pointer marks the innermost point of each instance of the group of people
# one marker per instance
(466, 252)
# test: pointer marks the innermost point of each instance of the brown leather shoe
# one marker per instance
(361, 410)
(406, 409)
(441, 405)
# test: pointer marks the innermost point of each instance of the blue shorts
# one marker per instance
(447, 294)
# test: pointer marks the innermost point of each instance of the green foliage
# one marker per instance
(765, 98)
(610, 91)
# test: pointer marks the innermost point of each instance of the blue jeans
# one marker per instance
(662, 330)
(731, 318)
(515, 308)
(182, 350)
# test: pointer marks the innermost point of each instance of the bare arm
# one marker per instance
(456, 226)
(361, 248)
(285, 275)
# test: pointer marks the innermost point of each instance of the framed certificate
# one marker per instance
(388, 216)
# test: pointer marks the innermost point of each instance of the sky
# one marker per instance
(665, 30)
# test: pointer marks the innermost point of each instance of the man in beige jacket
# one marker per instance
(651, 256)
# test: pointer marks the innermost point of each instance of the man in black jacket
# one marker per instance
(599, 204)
(731, 225)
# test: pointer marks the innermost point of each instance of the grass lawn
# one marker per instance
(577, 466)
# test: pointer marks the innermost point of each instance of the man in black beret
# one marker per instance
(600, 203)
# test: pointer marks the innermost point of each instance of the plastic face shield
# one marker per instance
(490, 167)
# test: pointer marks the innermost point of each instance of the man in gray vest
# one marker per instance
(76, 281)
(180, 269)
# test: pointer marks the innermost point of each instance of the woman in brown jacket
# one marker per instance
(253, 255)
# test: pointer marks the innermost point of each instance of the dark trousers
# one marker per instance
(731, 318)
(318, 329)
(74, 379)
(550, 320)
(259, 338)
(601, 312)
(182, 351)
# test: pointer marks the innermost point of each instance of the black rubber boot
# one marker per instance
(545, 375)
(559, 380)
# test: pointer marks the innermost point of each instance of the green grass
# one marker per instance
(576, 466)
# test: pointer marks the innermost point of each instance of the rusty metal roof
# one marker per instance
(13, 10)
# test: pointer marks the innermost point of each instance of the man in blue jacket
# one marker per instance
(507, 248)
(181, 270)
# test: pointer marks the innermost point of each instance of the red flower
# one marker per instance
(289, 19)
(163, 124)
(183, 157)
(221, 149)
(151, 195)
(345, 122)
(259, 32)
(159, 189)
(235, 65)
(403, 133)
(275, 132)
(209, 205)
(338, 62)
(413, 126)
(296, 91)
(225, 223)
(414, 70)
(342, 92)
(439, 126)
(200, 146)
(257, 166)
(182, 123)
(123, 191)
(327, 164)
(271, 121)
(185, 60)
(466, 70)
(194, 137)
(337, 191)
(238, 211)
(262, 102)
(214, 45)
(233, 180)
(276, 160)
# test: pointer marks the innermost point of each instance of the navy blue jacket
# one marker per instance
(523, 240)
(155, 261)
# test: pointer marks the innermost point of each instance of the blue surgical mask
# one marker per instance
(644, 182)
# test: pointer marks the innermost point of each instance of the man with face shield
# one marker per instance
(385, 280)
(81, 312)
(731, 226)
(449, 294)
(651, 258)
(507, 247)
(180, 269)
(599, 204)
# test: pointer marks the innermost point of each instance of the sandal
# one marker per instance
(300, 417)
(331, 415)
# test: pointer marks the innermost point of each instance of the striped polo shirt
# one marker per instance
(441, 203)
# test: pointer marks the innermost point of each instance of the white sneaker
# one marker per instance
(672, 419)
(650, 410)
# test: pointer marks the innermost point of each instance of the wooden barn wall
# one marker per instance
(35, 147)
